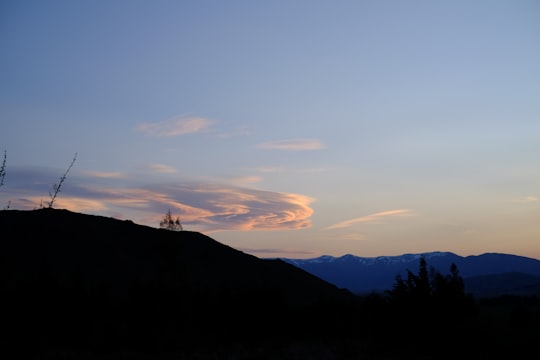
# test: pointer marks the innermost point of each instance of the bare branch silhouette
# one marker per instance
(3, 169)
(56, 187)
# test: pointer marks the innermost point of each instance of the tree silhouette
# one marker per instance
(400, 290)
(419, 285)
(434, 302)
(170, 223)
(428, 287)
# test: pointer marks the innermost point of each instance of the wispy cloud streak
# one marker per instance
(372, 218)
(175, 127)
(293, 144)
(528, 199)
(161, 168)
(106, 175)
(278, 252)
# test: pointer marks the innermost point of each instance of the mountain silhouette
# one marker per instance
(485, 275)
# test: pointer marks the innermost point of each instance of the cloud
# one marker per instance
(205, 207)
(247, 179)
(236, 208)
(372, 218)
(527, 199)
(78, 204)
(270, 169)
(353, 237)
(175, 127)
(293, 144)
(273, 253)
(161, 168)
(275, 170)
(106, 175)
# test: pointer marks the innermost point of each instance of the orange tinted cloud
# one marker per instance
(372, 218)
(161, 168)
(247, 179)
(208, 207)
(201, 206)
(175, 127)
(279, 252)
(77, 204)
(235, 208)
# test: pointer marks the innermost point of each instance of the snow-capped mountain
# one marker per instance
(376, 274)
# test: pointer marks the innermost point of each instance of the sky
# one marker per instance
(281, 128)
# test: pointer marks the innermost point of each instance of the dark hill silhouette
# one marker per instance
(508, 283)
(76, 286)
(92, 282)
(119, 253)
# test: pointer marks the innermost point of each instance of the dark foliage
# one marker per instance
(169, 222)
(432, 290)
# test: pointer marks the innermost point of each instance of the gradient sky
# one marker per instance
(281, 128)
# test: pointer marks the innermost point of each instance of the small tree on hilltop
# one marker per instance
(170, 223)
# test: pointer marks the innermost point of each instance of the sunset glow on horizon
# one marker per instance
(282, 129)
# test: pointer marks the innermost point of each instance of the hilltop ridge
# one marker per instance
(98, 283)
(94, 246)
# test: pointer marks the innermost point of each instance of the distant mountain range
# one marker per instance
(485, 275)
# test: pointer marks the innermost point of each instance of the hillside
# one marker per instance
(76, 286)
(54, 263)
(119, 253)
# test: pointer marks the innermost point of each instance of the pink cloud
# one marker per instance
(161, 168)
(372, 218)
(205, 207)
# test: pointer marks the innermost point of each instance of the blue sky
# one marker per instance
(282, 128)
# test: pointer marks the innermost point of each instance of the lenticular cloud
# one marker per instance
(206, 207)
(201, 206)
(218, 207)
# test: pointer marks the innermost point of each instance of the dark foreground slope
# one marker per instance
(84, 281)
(118, 254)
(75, 286)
